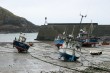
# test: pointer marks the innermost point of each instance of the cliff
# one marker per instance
(10, 23)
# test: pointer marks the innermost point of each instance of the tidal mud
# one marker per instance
(42, 57)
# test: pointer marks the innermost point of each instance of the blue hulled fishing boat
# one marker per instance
(20, 44)
(68, 54)
(59, 41)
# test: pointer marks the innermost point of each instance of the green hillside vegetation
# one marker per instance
(12, 23)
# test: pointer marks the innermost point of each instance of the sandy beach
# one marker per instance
(42, 57)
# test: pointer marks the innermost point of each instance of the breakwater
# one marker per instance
(50, 31)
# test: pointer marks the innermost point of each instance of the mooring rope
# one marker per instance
(60, 65)
(83, 71)
(97, 67)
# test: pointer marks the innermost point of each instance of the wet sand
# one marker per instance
(42, 57)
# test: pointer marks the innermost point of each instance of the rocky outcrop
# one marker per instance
(12, 23)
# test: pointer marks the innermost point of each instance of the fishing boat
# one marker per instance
(86, 37)
(59, 40)
(68, 55)
(20, 44)
(67, 51)
(105, 40)
(87, 41)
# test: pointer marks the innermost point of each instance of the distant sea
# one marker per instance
(11, 36)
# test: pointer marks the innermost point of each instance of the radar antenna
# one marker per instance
(82, 16)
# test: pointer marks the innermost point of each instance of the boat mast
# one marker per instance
(80, 26)
(73, 31)
(82, 16)
(91, 28)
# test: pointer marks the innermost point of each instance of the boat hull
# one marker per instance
(21, 46)
(96, 53)
(59, 43)
(90, 42)
(67, 55)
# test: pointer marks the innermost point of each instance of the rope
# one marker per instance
(97, 67)
(60, 65)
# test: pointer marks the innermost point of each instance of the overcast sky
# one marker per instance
(60, 11)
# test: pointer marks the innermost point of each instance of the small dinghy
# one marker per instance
(95, 52)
